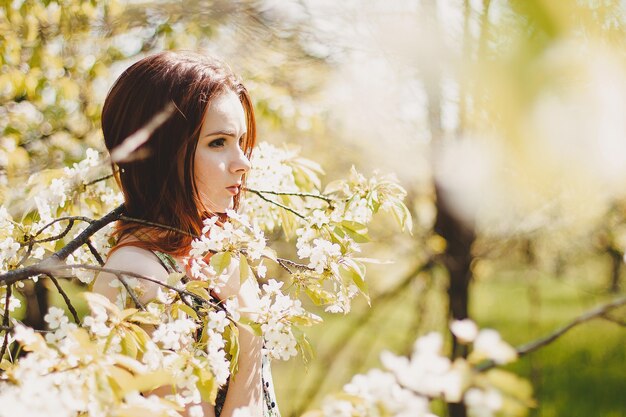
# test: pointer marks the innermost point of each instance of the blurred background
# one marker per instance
(504, 120)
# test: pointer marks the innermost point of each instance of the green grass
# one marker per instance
(583, 373)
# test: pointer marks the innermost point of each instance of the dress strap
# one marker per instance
(167, 261)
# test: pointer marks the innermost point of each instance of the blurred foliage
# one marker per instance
(59, 59)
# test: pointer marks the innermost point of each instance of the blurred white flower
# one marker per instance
(483, 403)
(465, 330)
(488, 343)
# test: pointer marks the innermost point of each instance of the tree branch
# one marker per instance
(106, 177)
(598, 312)
(71, 218)
(67, 300)
(276, 203)
(614, 320)
(94, 252)
(130, 292)
(295, 194)
(286, 263)
(43, 266)
(5, 322)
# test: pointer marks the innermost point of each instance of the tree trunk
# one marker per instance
(36, 295)
(617, 260)
(457, 260)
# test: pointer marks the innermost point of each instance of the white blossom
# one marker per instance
(489, 344)
(482, 403)
(465, 330)
(175, 334)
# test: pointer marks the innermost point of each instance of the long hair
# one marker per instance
(159, 185)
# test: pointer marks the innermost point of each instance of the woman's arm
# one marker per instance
(245, 387)
(133, 259)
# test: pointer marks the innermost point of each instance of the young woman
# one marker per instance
(191, 167)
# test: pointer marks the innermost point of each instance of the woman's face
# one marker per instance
(220, 163)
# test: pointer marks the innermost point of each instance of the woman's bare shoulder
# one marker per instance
(136, 261)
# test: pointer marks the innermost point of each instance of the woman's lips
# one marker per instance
(234, 190)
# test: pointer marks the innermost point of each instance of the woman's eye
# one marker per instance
(217, 143)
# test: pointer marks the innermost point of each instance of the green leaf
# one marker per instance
(152, 380)
(141, 336)
(402, 215)
(355, 272)
(220, 261)
(288, 222)
(188, 310)
(100, 300)
(252, 326)
(303, 345)
(199, 291)
(231, 335)
(305, 320)
(244, 269)
(121, 380)
(129, 346)
(174, 278)
(128, 313)
(357, 231)
(318, 295)
(206, 384)
(145, 317)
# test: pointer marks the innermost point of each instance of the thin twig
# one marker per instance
(131, 293)
(598, 312)
(67, 300)
(281, 262)
(11, 328)
(277, 203)
(28, 252)
(286, 262)
(153, 224)
(94, 252)
(615, 320)
(81, 218)
(106, 177)
(302, 195)
(57, 237)
(5, 321)
(31, 241)
(125, 150)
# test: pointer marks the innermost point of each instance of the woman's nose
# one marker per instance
(241, 163)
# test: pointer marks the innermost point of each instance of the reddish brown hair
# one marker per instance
(159, 187)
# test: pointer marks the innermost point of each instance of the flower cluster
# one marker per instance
(220, 242)
(278, 314)
(407, 386)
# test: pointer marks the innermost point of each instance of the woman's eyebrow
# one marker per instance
(222, 133)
